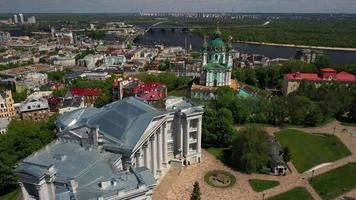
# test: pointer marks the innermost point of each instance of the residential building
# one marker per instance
(67, 60)
(118, 152)
(31, 20)
(4, 36)
(7, 109)
(71, 103)
(118, 60)
(36, 78)
(96, 75)
(40, 94)
(131, 86)
(16, 19)
(291, 81)
(4, 122)
(34, 109)
(308, 55)
(21, 18)
(90, 61)
(89, 94)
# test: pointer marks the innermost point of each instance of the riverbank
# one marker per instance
(299, 46)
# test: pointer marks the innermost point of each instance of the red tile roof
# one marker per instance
(327, 70)
(85, 91)
(342, 76)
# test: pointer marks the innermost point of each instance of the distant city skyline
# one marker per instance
(116, 6)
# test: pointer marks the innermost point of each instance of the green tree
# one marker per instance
(196, 192)
(217, 128)
(303, 111)
(21, 139)
(287, 155)
(19, 96)
(249, 149)
(323, 61)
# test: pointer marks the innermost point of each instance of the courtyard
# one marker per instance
(178, 184)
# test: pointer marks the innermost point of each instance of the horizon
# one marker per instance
(178, 6)
(164, 12)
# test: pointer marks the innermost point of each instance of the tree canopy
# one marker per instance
(249, 149)
(22, 139)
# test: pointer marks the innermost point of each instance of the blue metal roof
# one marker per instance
(124, 121)
(87, 167)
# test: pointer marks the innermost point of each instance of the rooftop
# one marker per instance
(123, 121)
(89, 168)
(85, 91)
(326, 74)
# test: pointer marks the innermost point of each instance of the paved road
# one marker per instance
(176, 186)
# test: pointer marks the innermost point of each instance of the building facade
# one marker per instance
(217, 62)
(308, 55)
(291, 81)
(216, 68)
(36, 78)
(34, 109)
(115, 152)
(89, 94)
(131, 86)
(7, 109)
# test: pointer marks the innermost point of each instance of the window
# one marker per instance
(170, 147)
(193, 147)
(193, 123)
(193, 135)
(169, 125)
(170, 136)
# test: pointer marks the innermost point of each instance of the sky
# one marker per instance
(116, 6)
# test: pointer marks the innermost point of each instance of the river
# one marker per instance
(177, 38)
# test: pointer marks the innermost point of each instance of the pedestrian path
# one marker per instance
(180, 186)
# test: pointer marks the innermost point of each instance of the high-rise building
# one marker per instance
(31, 20)
(21, 18)
(53, 32)
(15, 19)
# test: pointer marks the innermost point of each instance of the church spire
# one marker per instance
(217, 32)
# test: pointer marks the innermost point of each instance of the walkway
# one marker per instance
(180, 185)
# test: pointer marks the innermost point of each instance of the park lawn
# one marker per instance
(335, 182)
(262, 185)
(11, 196)
(309, 150)
(298, 193)
(217, 152)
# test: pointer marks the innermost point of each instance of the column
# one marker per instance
(159, 148)
(137, 158)
(199, 135)
(186, 138)
(179, 135)
(164, 141)
(142, 158)
(153, 155)
(147, 155)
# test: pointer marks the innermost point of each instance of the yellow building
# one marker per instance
(7, 109)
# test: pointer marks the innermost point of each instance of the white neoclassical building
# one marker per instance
(115, 152)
